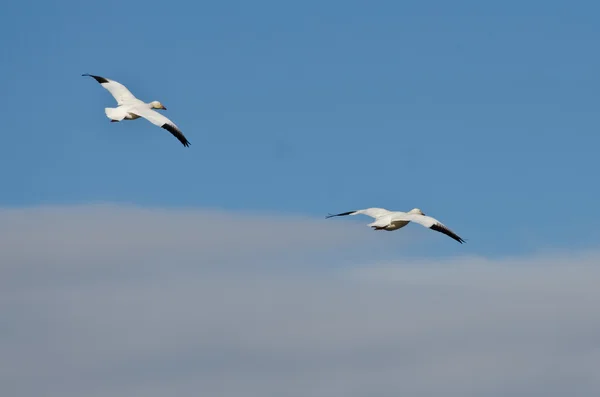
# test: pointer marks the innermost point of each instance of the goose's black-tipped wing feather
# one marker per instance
(340, 214)
(116, 89)
(438, 227)
(99, 79)
(161, 121)
(428, 222)
(176, 133)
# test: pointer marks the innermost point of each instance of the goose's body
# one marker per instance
(394, 220)
(131, 108)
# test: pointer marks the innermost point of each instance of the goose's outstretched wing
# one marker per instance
(161, 121)
(118, 91)
(428, 222)
(372, 212)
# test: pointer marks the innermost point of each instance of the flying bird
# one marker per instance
(393, 220)
(131, 108)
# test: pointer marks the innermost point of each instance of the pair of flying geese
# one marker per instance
(131, 108)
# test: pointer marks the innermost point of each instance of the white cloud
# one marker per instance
(469, 326)
(109, 234)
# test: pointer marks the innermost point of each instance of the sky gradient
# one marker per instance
(484, 115)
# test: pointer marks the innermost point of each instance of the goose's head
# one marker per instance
(157, 105)
(416, 211)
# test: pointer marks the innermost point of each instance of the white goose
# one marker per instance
(131, 108)
(393, 220)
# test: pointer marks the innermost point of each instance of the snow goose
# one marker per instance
(393, 220)
(131, 108)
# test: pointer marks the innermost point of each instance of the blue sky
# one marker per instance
(482, 115)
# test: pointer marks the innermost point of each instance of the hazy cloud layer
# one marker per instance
(165, 324)
(106, 233)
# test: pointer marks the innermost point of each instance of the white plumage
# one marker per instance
(131, 108)
(393, 220)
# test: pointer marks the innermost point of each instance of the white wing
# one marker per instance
(372, 212)
(119, 91)
(161, 121)
(428, 222)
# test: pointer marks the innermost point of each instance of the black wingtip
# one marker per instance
(99, 79)
(447, 232)
(185, 142)
(177, 134)
(340, 214)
